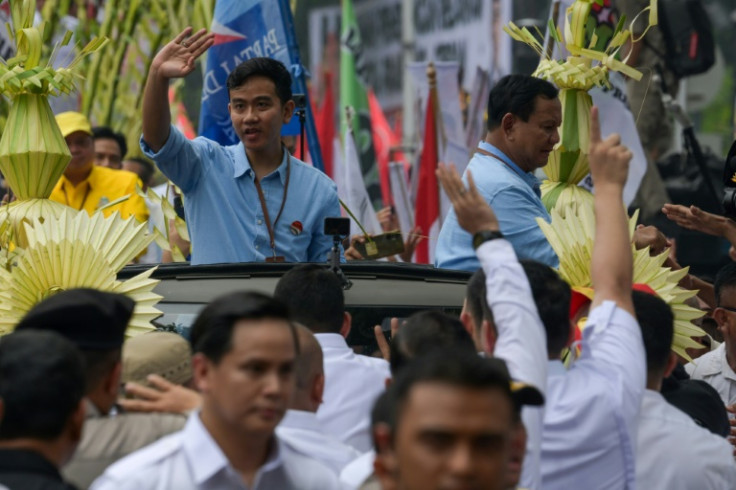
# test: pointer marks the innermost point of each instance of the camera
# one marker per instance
(729, 184)
(337, 226)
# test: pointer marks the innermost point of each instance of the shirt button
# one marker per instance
(260, 221)
(257, 247)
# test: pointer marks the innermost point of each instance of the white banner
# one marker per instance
(402, 203)
(356, 197)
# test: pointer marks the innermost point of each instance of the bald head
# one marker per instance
(309, 370)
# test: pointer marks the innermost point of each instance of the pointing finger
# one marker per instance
(595, 126)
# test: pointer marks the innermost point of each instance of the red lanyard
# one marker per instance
(261, 198)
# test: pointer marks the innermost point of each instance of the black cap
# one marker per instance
(521, 393)
(92, 319)
(698, 399)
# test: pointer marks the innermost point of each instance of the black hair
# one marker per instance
(97, 366)
(104, 132)
(726, 278)
(147, 169)
(516, 94)
(475, 297)
(427, 331)
(314, 296)
(657, 329)
(262, 67)
(451, 366)
(212, 330)
(41, 384)
(552, 298)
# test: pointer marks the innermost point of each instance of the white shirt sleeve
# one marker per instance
(521, 342)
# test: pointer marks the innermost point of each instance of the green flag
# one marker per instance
(353, 95)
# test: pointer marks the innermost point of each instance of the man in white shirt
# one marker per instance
(450, 424)
(300, 428)
(591, 410)
(244, 352)
(352, 382)
(673, 452)
(718, 367)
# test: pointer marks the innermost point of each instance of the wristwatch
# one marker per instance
(483, 236)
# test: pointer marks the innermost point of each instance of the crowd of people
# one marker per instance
(267, 394)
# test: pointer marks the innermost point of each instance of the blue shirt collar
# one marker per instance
(241, 165)
(527, 177)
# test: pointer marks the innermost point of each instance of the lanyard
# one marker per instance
(535, 188)
(281, 209)
(84, 200)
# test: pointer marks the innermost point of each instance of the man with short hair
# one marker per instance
(95, 321)
(41, 409)
(248, 202)
(315, 299)
(244, 353)
(672, 451)
(450, 424)
(300, 427)
(476, 316)
(110, 147)
(86, 186)
(718, 367)
(523, 116)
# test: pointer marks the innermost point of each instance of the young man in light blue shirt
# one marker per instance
(523, 116)
(248, 202)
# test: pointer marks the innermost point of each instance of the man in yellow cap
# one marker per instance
(87, 186)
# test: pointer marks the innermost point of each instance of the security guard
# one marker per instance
(96, 321)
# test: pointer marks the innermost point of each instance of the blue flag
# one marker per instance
(247, 29)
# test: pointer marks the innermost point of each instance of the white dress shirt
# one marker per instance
(192, 460)
(352, 384)
(714, 370)
(591, 414)
(358, 471)
(521, 342)
(302, 432)
(676, 454)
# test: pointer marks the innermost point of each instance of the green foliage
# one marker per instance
(112, 91)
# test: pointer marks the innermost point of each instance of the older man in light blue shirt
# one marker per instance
(523, 116)
(252, 201)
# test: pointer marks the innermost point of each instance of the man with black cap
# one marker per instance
(96, 321)
(41, 409)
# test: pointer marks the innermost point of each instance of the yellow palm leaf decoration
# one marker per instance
(74, 251)
(571, 238)
(587, 66)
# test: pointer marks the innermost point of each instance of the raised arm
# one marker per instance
(612, 264)
(175, 60)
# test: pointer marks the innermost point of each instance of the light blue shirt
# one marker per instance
(223, 212)
(515, 198)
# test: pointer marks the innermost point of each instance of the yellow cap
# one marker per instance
(71, 122)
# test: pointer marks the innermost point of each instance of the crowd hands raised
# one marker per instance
(267, 394)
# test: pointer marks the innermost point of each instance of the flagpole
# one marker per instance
(408, 109)
(301, 85)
